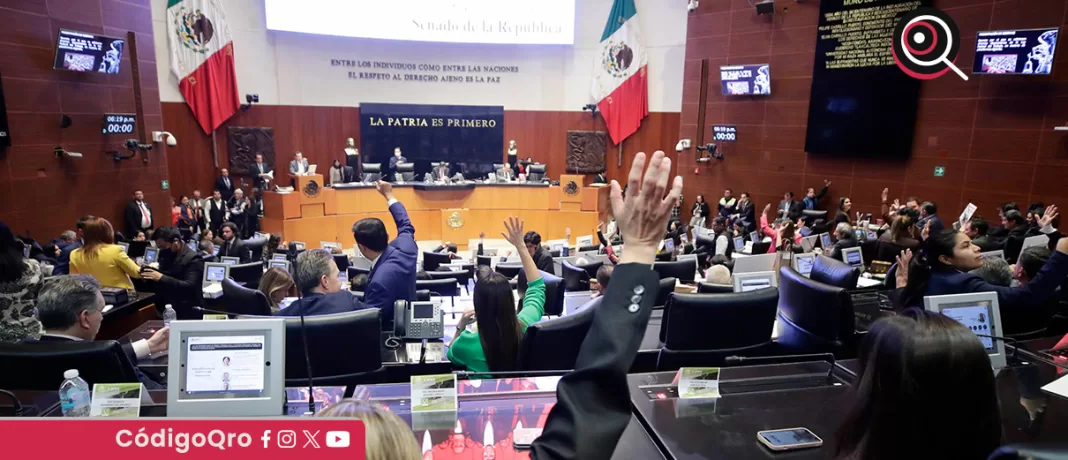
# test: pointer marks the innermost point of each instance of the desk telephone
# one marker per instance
(418, 320)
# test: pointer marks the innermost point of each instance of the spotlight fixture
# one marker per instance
(249, 100)
(592, 108)
(765, 7)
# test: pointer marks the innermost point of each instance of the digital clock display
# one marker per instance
(119, 123)
(724, 133)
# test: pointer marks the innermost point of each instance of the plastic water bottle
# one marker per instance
(169, 315)
(74, 395)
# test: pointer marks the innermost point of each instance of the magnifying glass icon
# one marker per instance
(926, 44)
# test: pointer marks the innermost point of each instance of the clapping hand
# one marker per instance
(643, 214)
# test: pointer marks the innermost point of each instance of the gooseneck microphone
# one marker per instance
(307, 360)
(785, 359)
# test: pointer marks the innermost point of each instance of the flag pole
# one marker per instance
(619, 156)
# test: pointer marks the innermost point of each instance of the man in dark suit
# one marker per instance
(846, 239)
(600, 178)
(178, 279)
(977, 229)
(593, 405)
(541, 256)
(396, 158)
(71, 308)
(789, 208)
(258, 168)
(929, 213)
(393, 264)
(441, 173)
(63, 262)
(224, 185)
(317, 280)
(232, 245)
(138, 215)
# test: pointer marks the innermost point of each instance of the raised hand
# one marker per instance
(1048, 216)
(903, 261)
(767, 208)
(514, 232)
(886, 194)
(926, 231)
(385, 189)
(826, 183)
(643, 214)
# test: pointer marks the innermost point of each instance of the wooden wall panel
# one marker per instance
(44, 196)
(993, 134)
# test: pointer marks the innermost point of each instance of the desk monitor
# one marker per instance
(755, 263)
(586, 240)
(215, 251)
(192, 245)
(999, 254)
(978, 312)
(215, 273)
(283, 264)
(668, 246)
(298, 245)
(489, 252)
(311, 169)
(739, 243)
(803, 263)
(745, 282)
(329, 245)
(825, 241)
(755, 237)
(278, 256)
(125, 247)
(151, 255)
(230, 260)
(808, 243)
(1040, 240)
(226, 368)
(872, 235)
(853, 257)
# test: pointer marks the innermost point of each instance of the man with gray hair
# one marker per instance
(66, 238)
(318, 284)
(994, 270)
(71, 308)
(846, 239)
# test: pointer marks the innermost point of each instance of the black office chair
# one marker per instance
(447, 287)
(589, 248)
(710, 288)
(249, 274)
(814, 317)
(372, 172)
(810, 215)
(406, 171)
(461, 277)
(432, 260)
(702, 330)
(255, 246)
(342, 262)
(886, 251)
(590, 268)
(422, 295)
(483, 261)
(554, 344)
(708, 243)
(868, 250)
(356, 271)
(554, 291)
(760, 247)
(509, 270)
(663, 294)
(348, 174)
(663, 257)
(240, 300)
(536, 173)
(575, 278)
(40, 365)
(834, 272)
(356, 333)
(684, 270)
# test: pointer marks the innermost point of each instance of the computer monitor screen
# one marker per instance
(803, 263)
(230, 260)
(125, 247)
(825, 240)
(739, 243)
(86, 52)
(1008, 52)
(298, 245)
(853, 257)
(754, 284)
(151, 254)
(284, 265)
(224, 364)
(669, 245)
(278, 256)
(975, 316)
(215, 251)
(745, 80)
(754, 281)
(859, 233)
(755, 237)
(214, 273)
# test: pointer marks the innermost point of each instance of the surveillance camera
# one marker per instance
(692, 6)
(158, 136)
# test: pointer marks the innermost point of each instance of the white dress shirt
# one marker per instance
(146, 215)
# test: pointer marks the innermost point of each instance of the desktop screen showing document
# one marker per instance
(804, 265)
(216, 274)
(217, 364)
(853, 258)
(977, 318)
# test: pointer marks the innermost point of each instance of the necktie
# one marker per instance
(226, 180)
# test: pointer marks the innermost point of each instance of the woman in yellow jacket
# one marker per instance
(101, 258)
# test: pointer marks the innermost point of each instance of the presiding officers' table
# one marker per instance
(455, 212)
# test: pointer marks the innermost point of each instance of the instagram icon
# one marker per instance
(287, 439)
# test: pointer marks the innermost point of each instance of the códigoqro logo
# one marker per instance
(208, 439)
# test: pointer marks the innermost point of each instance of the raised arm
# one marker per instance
(513, 232)
(764, 227)
(396, 208)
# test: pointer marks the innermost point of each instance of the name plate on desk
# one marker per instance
(118, 399)
(698, 382)
(432, 393)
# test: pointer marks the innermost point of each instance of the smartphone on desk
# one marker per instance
(789, 439)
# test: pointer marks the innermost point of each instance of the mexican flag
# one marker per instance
(620, 80)
(202, 57)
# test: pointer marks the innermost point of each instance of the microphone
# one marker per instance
(1016, 345)
(307, 360)
(214, 312)
(785, 359)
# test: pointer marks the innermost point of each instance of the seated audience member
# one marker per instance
(977, 229)
(789, 208)
(600, 282)
(359, 283)
(739, 229)
(812, 199)
(49, 255)
(495, 346)
(320, 288)
(929, 214)
(947, 258)
(102, 259)
(724, 245)
(179, 277)
(782, 235)
(844, 206)
(744, 211)
(66, 238)
(845, 239)
(232, 245)
(207, 234)
(63, 263)
(1030, 263)
(388, 437)
(140, 236)
(20, 280)
(1023, 320)
(726, 206)
(1019, 230)
(718, 274)
(450, 248)
(901, 233)
(994, 271)
(921, 373)
(393, 263)
(207, 250)
(276, 285)
(606, 248)
(271, 248)
(542, 259)
(71, 308)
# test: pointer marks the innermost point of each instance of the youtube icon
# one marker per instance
(337, 439)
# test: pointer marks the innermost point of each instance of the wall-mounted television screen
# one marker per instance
(85, 52)
(1028, 52)
(745, 80)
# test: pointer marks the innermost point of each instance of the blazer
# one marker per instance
(936, 224)
(126, 348)
(544, 260)
(63, 263)
(266, 168)
(1031, 295)
(236, 248)
(227, 190)
(294, 167)
(746, 212)
(592, 402)
(847, 243)
(393, 276)
(322, 304)
(111, 266)
(181, 281)
(985, 243)
(812, 203)
(133, 218)
(793, 208)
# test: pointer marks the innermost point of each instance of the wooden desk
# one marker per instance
(449, 213)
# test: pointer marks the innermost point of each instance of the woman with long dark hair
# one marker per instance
(947, 258)
(844, 205)
(902, 233)
(700, 211)
(101, 258)
(500, 330)
(924, 390)
(20, 281)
